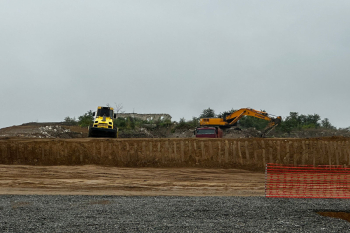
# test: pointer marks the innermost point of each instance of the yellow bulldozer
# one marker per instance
(102, 125)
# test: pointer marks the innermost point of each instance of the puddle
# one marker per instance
(341, 215)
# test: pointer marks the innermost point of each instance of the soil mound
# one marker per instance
(43, 130)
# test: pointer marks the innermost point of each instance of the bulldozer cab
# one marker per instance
(105, 111)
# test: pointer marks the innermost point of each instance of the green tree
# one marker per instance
(298, 122)
(207, 113)
(309, 121)
(293, 120)
(162, 122)
(226, 113)
(70, 120)
(125, 123)
(130, 123)
(120, 122)
(286, 126)
(326, 124)
(86, 119)
(194, 122)
(252, 122)
(182, 124)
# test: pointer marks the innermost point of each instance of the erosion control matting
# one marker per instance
(251, 153)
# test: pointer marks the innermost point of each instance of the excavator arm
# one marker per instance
(231, 119)
(235, 116)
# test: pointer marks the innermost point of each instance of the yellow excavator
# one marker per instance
(229, 120)
(103, 123)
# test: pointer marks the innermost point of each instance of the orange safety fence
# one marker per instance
(307, 181)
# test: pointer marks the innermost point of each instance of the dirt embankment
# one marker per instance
(182, 161)
(250, 153)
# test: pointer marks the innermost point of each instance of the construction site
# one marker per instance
(213, 160)
(175, 116)
(80, 170)
(58, 158)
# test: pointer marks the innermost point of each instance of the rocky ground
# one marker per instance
(44, 130)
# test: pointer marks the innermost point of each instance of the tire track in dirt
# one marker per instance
(97, 180)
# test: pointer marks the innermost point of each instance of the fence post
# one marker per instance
(226, 151)
(279, 151)
(295, 153)
(270, 152)
(175, 153)
(211, 156)
(150, 150)
(303, 153)
(219, 152)
(348, 150)
(247, 151)
(203, 151)
(255, 148)
(234, 155)
(239, 152)
(336, 151)
(287, 153)
(263, 153)
(182, 151)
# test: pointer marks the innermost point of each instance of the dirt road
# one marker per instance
(97, 180)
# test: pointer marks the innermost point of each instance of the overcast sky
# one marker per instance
(63, 58)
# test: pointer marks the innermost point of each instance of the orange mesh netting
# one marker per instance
(305, 181)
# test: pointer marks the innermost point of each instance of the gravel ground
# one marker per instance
(168, 214)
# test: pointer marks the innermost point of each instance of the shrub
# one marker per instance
(70, 120)
(86, 119)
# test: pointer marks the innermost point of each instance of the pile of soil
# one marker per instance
(66, 130)
(43, 130)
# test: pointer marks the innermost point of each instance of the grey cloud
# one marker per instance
(62, 58)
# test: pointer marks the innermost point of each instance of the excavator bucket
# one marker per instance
(273, 123)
